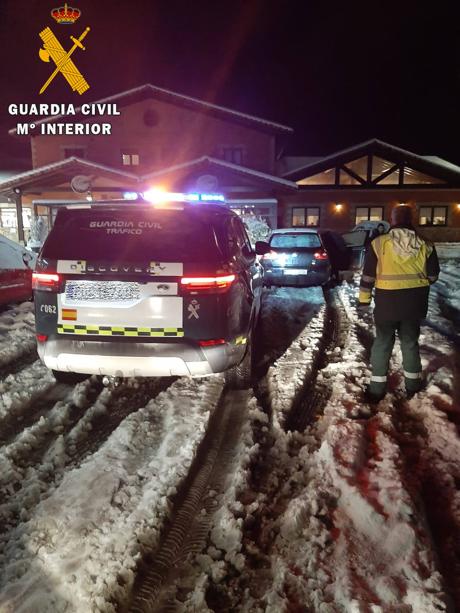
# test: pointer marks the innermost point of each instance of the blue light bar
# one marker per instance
(205, 197)
(130, 195)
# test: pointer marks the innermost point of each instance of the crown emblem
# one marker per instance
(65, 15)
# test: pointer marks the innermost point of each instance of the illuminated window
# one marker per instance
(305, 217)
(346, 179)
(381, 166)
(322, 178)
(414, 177)
(368, 213)
(433, 216)
(359, 167)
(130, 158)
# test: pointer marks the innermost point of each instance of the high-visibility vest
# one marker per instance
(401, 260)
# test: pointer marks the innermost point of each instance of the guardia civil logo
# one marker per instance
(52, 50)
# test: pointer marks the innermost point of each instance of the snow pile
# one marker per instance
(17, 332)
(18, 392)
(79, 549)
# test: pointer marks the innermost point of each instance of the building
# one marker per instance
(182, 144)
(365, 182)
(159, 138)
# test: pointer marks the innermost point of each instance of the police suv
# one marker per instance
(133, 288)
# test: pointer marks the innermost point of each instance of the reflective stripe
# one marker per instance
(367, 279)
(412, 375)
(378, 379)
(365, 295)
(418, 275)
(119, 331)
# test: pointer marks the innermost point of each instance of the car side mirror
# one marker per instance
(262, 248)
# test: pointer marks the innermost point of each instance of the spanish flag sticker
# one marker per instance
(69, 314)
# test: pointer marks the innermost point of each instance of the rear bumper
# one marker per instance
(278, 276)
(121, 359)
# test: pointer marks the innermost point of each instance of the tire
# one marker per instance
(70, 378)
(239, 377)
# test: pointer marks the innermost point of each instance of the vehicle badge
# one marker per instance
(193, 309)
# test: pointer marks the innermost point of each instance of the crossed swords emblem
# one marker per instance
(64, 65)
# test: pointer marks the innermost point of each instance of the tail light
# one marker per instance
(42, 338)
(212, 342)
(207, 284)
(44, 281)
(321, 255)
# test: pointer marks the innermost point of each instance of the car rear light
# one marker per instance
(321, 255)
(48, 282)
(198, 284)
(41, 338)
(212, 342)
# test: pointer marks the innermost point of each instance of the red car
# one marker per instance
(16, 264)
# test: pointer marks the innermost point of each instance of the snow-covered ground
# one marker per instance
(326, 504)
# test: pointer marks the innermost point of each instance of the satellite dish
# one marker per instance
(81, 184)
(207, 183)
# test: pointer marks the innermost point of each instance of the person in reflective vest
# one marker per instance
(401, 266)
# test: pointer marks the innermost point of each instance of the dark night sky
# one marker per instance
(337, 75)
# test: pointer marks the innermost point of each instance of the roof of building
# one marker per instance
(291, 162)
(210, 162)
(432, 165)
(152, 91)
(63, 168)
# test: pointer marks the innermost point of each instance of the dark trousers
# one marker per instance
(408, 333)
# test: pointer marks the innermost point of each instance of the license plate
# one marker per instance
(295, 271)
(101, 291)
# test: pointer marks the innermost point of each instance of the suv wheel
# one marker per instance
(71, 378)
(239, 377)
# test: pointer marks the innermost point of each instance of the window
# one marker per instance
(433, 216)
(303, 217)
(368, 213)
(130, 158)
(75, 152)
(414, 177)
(295, 241)
(322, 178)
(234, 155)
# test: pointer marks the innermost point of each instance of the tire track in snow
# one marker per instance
(14, 366)
(193, 507)
(25, 397)
(270, 486)
(62, 438)
(313, 395)
(99, 423)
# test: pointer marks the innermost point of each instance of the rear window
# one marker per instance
(294, 241)
(132, 236)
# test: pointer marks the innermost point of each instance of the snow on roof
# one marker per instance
(290, 162)
(181, 99)
(223, 164)
(442, 162)
(61, 165)
(362, 148)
